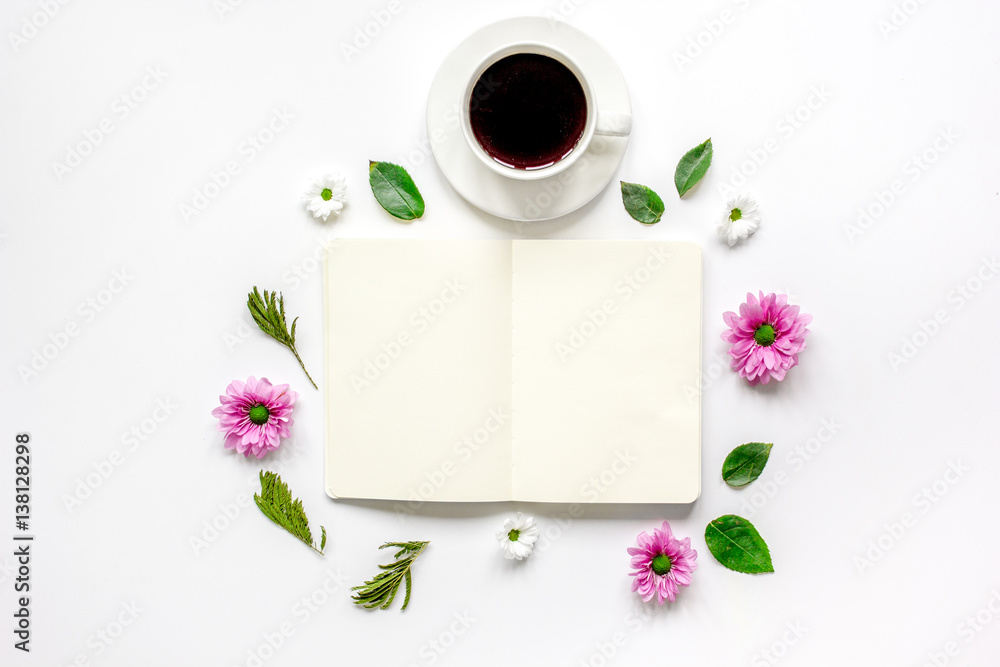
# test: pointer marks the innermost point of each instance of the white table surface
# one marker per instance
(176, 332)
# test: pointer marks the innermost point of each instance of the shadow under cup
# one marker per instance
(528, 111)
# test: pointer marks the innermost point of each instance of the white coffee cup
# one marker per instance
(615, 124)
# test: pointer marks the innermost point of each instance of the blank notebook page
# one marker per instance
(418, 352)
(606, 337)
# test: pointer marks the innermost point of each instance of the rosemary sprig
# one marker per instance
(380, 591)
(268, 312)
(276, 502)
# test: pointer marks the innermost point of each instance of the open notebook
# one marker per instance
(535, 370)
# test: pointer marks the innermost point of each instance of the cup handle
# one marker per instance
(613, 124)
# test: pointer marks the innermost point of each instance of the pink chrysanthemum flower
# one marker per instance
(255, 415)
(661, 563)
(767, 337)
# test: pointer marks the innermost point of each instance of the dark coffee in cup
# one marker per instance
(528, 111)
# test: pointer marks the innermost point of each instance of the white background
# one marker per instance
(178, 332)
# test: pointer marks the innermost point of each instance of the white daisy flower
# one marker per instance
(517, 537)
(740, 220)
(326, 195)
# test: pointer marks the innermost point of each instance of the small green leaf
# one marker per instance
(395, 191)
(692, 167)
(745, 463)
(642, 203)
(736, 544)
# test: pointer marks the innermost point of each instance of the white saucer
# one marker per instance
(507, 197)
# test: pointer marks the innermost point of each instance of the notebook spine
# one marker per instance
(513, 369)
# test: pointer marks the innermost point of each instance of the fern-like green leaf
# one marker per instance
(276, 502)
(409, 580)
(380, 590)
(268, 311)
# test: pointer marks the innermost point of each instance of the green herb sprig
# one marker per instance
(268, 312)
(381, 589)
(276, 502)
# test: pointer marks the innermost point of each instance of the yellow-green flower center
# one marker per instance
(258, 414)
(764, 335)
(662, 564)
(513, 535)
(327, 194)
(735, 214)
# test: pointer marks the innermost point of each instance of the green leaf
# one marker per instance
(736, 544)
(395, 191)
(692, 167)
(268, 311)
(380, 590)
(276, 502)
(642, 203)
(745, 463)
(406, 598)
